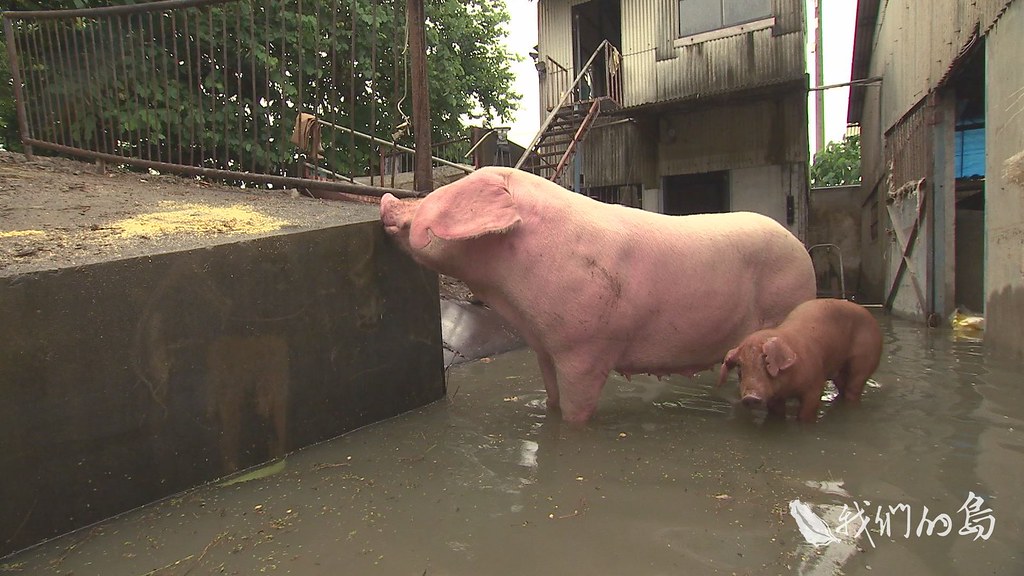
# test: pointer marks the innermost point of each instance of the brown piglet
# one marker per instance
(819, 340)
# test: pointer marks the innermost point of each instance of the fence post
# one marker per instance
(19, 96)
(414, 21)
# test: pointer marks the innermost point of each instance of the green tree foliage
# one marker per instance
(232, 77)
(838, 164)
(9, 138)
(8, 119)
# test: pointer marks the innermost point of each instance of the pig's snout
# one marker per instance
(392, 214)
(752, 400)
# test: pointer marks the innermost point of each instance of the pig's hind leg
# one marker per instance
(550, 376)
(855, 375)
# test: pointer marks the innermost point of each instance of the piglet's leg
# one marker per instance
(857, 377)
(809, 404)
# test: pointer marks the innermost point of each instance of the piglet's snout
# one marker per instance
(752, 399)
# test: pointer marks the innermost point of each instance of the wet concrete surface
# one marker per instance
(670, 478)
(473, 331)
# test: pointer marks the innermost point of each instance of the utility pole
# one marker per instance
(415, 22)
(819, 79)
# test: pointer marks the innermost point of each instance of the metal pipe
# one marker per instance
(482, 138)
(288, 181)
(375, 140)
(158, 6)
(860, 82)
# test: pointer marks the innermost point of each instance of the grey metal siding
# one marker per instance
(916, 43)
(1004, 187)
(739, 135)
(612, 156)
(656, 70)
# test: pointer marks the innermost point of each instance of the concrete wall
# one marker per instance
(763, 189)
(127, 381)
(835, 218)
(1004, 186)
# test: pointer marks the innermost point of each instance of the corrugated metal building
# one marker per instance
(714, 102)
(943, 158)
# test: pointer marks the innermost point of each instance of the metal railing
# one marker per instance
(600, 77)
(831, 272)
(218, 88)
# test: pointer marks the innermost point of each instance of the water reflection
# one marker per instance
(672, 477)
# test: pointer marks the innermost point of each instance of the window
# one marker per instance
(696, 16)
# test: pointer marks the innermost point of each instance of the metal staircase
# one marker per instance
(597, 89)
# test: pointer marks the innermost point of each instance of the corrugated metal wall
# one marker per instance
(717, 66)
(613, 155)
(554, 41)
(735, 135)
(1004, 282)
(917, 42)
(654, 69)
(914, 46)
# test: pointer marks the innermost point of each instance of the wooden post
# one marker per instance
(19, 97)
(819, 79)
(414, 20)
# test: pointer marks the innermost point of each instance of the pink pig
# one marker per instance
(594, 287)
(820, 339)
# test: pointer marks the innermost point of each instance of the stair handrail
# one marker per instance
(565, 96)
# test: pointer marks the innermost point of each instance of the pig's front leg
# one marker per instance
(809, 404)
(776, 407)
(579, 390)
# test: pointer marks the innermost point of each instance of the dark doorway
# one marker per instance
(968, 84)
(594, 22)
(697, 193)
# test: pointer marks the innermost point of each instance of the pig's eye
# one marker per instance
(739, 372)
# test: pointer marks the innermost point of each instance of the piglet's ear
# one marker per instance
(468, 208)
(728, 364)
(778, 356)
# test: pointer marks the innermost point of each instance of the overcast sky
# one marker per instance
(839, 16)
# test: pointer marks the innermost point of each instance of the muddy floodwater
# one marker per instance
(671, 478)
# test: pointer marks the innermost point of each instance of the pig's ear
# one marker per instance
(728, 364)
(777, 356)
(467, 209)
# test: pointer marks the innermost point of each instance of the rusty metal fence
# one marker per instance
(261, 91)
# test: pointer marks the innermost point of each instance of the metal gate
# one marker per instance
(908, 155)
(244, 90)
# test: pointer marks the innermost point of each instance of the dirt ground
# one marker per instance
(57, 213)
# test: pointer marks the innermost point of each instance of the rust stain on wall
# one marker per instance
(248, 375)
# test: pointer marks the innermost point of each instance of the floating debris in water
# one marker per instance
(262, 472)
